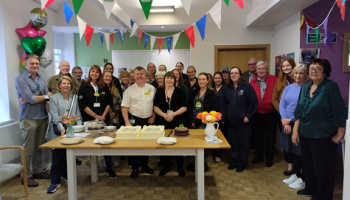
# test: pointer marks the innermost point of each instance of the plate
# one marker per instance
(68, 141)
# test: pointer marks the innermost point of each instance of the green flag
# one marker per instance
(316, 31)
(146, 6)
(227, 2)
(77, 4)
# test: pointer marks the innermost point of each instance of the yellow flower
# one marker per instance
(204, 113)
(213, 119)
(213, 113)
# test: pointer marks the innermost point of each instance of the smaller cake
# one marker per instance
(129, 132)
(152, 132)
(93, 127)
(181, 131)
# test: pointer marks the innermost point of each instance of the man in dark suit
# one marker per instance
(251, 73)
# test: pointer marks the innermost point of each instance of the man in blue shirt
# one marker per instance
(33, 94)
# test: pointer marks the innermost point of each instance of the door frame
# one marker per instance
(264, 47)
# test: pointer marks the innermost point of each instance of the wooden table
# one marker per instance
(192, 146)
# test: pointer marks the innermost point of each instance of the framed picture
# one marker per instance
(307, 54)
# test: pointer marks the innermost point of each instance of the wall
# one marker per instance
(69, 49)
(334, 54)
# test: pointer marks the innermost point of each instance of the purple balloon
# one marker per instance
(29, 31)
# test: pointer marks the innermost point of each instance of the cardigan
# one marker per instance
(264, 104)
(277, 95)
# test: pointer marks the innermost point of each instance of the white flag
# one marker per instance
(108, 5)
(187, 5)
(215, 13)
(43, 3)
(153, 39)
(121, 32)
(134, 28)
(175, 38)
(107, 40)
(82, 26)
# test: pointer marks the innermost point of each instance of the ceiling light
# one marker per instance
(99, 28)
(162, 27)
(162, 9)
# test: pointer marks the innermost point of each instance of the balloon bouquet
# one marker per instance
(32, 40)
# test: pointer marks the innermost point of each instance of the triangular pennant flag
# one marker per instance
(190, 34)
(68, 13)
(343, 2)
(46, 4)
(43, 3)
(153, 39)
(240, 3)
(168, 42)
(160, 41)
(134, 28)
(127, 31)
(120, 36)
(316, 31)
(329, 38)
(101, 38)
(121, 31)
(187, 5)
(307, 32)
(310, 22)
(111, 36)
(82, 25)
(339, 3)
(304, 28)
(201, 25)
(227, 2)
(342, 11)
(132, 23)
(325, 26)
(76, 5)
(88, 34)
(107, 40)
(146, 40)
(301, 21)
(140, 34)
(108, 5)
(176, 37)
(146, 7)
(215, 13)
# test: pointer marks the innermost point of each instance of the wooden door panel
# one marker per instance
(238, 58)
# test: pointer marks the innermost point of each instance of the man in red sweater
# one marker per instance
(266, 116)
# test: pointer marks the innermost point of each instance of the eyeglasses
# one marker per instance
(33, 63)
(234, 73)
(251, 64)
(315, 69)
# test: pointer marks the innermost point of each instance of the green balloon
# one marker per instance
(35, 45)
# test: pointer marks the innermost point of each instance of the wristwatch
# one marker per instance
(289, 120)
(46, 97)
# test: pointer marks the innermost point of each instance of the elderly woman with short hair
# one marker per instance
(160, 79)
(321, 116)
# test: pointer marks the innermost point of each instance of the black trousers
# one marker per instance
(223, 129)
(239, 139)
(167, 161)
(58, 166)
(288, 157)
(138, 161)
(298, 166)
(265, 124)
(319, 156)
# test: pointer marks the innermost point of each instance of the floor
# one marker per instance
(256, 183)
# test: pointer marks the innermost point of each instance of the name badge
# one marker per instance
(147, 93)
(132, 121)
(240, 92)
(169, 111)
(97, 105)
(198, 105)
(96, 94)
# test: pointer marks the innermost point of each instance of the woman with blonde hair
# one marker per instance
(192, 81)
(125, 78)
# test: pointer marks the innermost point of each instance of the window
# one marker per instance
(57, 57)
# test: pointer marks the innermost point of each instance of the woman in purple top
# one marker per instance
(287, 106)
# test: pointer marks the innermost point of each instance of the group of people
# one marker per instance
(253, 104)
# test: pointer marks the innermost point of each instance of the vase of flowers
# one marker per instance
(210, 119)
(69, 121)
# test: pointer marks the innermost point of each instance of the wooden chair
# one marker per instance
(8, 171)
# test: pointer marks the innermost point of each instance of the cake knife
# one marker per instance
(170, 133)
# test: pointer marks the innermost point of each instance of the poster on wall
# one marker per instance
(307, 54)
(120, 70)
(278, 60)
(85, 72)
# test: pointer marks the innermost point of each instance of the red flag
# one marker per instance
(190, 34)
(342, 11)
(239, 3)
(160, 41)
(339, 3)
(127, 31)
(48, 3)
(88, 34)
(112, 37)
(304, 28)
(140, 35)
(310, 22)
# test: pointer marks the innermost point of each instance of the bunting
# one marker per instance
(140, 34)
(68, 13)
(168, 42)
(107, 35)
(120, 36)
(101, 38)
(190, 34)
(187, 5)
(239, 3)
(132, 23)
(82, 26)
(121, 31)
(111, 36)
(325, 26)
(88, 34)
(134, 28)
(301, 21)
(146, 7)
(46, 3)
(108, 6)
(160, 41)
(146, 40)
(307, 32)
(153, 39)
(310, 22)
(175, 38)
(77, 5)
(317, 32)
(201, 26)
(215, 13)
(227, 2)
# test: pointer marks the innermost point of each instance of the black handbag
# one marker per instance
(55, 129)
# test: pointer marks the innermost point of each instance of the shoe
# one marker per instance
(116, 162)
(45, 169)
(41, 175)
(182, 173)
(217, 159)
(147, 169)
(288, 172)
(303, 193)
(299, 184)
(256, 160)
(110, 172)
(291, 179)
(231, 166)
(122, 157)
(64, 178)
(206, 168)
(160, 163)
(268, 163)
(31, 182)
(134, 174)
(190, 167)
(164, 171)
(240, 169)
(78, 162)
(53, 188)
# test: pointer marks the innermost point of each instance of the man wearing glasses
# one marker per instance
(77, 72)
(251, 73)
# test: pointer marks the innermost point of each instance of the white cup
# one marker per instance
(79, 122)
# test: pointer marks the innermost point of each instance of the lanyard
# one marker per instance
(166, 97)
(218, 89)
(96, 90)
(288, 82)
(259, 82)
(37, 84)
